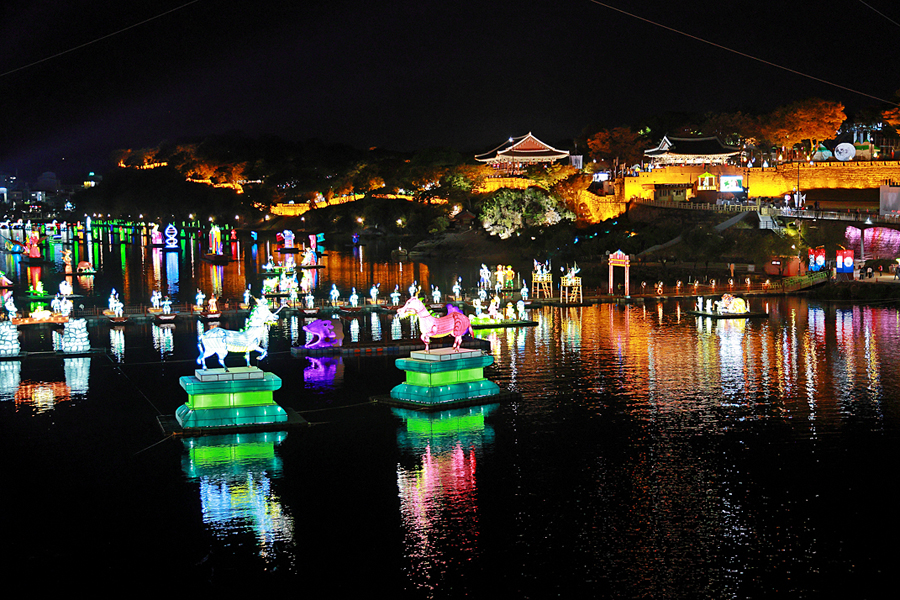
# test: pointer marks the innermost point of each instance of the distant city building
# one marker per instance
(48, 182)
(690, 151)
(512, 156)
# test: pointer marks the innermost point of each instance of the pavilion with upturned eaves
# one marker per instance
(691, 151)
(511, 157)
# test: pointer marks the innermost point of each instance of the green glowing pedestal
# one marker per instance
(238, 397)
(444, 377)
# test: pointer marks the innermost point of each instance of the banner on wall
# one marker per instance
(845, 261)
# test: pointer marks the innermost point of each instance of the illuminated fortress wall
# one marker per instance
(594, 208)
(770, 181)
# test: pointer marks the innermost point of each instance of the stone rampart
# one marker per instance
(770, 181)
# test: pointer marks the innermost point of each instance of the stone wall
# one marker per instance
(770, 181)
(594, 209)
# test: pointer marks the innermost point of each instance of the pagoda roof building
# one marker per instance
(522, 150)
(691, 151)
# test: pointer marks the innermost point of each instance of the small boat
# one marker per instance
(728, 315)
(114, 319)
(165, 317)
(216, 259)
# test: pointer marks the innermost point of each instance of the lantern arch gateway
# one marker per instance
(619, 259)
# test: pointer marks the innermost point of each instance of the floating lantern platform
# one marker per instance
(236, 399)
(444, 378)
(727, 315)
(476, 324)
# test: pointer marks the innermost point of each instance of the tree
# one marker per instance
(618, 146)
(731, 128)
(509, 211)
(569, 189)
(547, 175)
(810, 120)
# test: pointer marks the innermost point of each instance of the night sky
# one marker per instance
(408, 75)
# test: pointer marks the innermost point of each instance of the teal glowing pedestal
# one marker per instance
(444, 377)
(237, 398)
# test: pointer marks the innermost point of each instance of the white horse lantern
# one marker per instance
(221, 341)
(454, 323)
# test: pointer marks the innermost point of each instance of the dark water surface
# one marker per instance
(652, 455)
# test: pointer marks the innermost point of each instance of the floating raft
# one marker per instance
(499, 324)
(405, 346)
(746, 315)
(443, 378)
(237, 399)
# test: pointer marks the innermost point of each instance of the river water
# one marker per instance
(652, 454)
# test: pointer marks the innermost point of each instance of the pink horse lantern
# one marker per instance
(454, 323)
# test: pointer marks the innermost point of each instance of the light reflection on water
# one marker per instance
(652, 453)
(235, 474)
(439, 490)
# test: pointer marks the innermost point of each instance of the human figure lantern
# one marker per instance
(373, 293)
(457, 289)
(413, 288)
(33, 245)
(494, 309)
(435, 294)
(215, 240)
(570, 286)
(395, 296)
(198, 299)
(454, 323)
(485, 274)
(542, 280)
(11, 311)
(220, 341)
(354, 298)
(334, 294)
(524, 292)
(156, 235)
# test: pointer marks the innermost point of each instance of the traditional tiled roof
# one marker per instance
(523, 149)
(691, 150)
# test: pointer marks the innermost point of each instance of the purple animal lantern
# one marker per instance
(324, 333)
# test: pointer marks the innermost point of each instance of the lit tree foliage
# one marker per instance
(569, 189)
(619, 145)
(509, 211)
(813, 120)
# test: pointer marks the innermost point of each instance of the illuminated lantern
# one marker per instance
(845, 261)
(171, 237)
